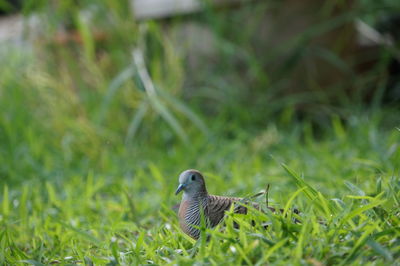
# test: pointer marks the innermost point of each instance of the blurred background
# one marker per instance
(103, 103)
(114, 87)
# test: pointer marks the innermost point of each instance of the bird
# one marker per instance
(196, 199)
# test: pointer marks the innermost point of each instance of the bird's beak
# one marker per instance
(180, 188)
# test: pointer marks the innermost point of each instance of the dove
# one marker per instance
(196, 199)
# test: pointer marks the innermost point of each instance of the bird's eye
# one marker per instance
(193, 177)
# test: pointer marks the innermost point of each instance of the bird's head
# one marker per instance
(191, 182)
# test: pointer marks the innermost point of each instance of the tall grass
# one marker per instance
(96, 125)
(348, 195)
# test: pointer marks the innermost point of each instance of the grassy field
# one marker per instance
(118, 210)
(90, 153)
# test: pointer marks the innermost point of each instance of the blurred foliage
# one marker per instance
(299, 60)
(99, 82)
(100, 112)
(375, 11)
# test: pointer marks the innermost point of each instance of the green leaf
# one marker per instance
(380, 250)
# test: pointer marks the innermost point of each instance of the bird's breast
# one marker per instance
(183, 208)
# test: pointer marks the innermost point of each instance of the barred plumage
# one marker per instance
(195, 196)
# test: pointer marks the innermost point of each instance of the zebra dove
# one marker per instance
(195, 198)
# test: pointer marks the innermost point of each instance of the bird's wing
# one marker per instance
(216, 207)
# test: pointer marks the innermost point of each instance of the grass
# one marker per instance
(121, 212)
(93, 136)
